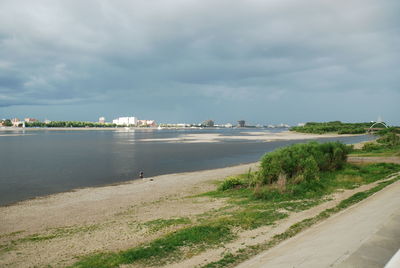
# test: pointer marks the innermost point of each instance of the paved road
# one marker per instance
(365, 235)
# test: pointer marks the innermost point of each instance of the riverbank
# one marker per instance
(58, 230)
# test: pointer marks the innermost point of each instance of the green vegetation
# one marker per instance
(6, 123)
(384, 131)
(68, 124)
(305, 194)
(333, 127)
(232, 259)
(301, 162)
(387, 145)
(169, 246)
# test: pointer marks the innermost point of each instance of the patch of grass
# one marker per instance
(58, 232)
(251, 218)
(160, 249)
(232, 259)
(159, 224)
(6, 248)
(377, 153)
(11, 234)
(233, 182)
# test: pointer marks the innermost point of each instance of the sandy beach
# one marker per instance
(89, 205)
(263, 136)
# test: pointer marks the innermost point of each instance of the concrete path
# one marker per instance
(365, 235)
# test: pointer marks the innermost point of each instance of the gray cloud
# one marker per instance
(248, 57)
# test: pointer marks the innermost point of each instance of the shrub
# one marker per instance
(370, 146)
(232, 182)
(302, 161)
(390, 139)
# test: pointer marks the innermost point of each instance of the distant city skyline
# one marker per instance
(266, 62)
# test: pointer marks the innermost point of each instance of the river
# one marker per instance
(40, 162)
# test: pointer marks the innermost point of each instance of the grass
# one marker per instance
(159, 250)
(159, 224)
(251, 218)
(351, 176)
(58, 232)
(232, 259)
(379, 152)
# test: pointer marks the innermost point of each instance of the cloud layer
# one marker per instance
(190, 60)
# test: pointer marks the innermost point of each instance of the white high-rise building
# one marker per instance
(129, 121)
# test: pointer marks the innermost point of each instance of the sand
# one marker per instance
(263, 136)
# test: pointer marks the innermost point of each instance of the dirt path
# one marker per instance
(365, 235)
(371, 159)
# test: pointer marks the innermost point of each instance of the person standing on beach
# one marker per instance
(141, 174)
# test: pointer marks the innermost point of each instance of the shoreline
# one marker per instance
(282, 136)
(129, 182)
(85, 205)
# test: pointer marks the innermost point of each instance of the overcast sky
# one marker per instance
(266, 61)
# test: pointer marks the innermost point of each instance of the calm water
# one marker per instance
(42, 162)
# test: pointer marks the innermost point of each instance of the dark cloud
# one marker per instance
(214, 59)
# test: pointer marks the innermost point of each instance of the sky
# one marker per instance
(263, 61)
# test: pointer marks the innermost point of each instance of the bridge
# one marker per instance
(372, 128)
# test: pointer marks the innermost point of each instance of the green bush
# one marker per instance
(232, 182)
(370, 146)
(302, 160)
(390, 139)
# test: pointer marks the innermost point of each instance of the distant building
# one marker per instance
(228, 125)
(30, 120)
(17, 123)
(47, 121)
(208, 123)
(102, 120)
(128, 121)
(301, 124)
(241, 123)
